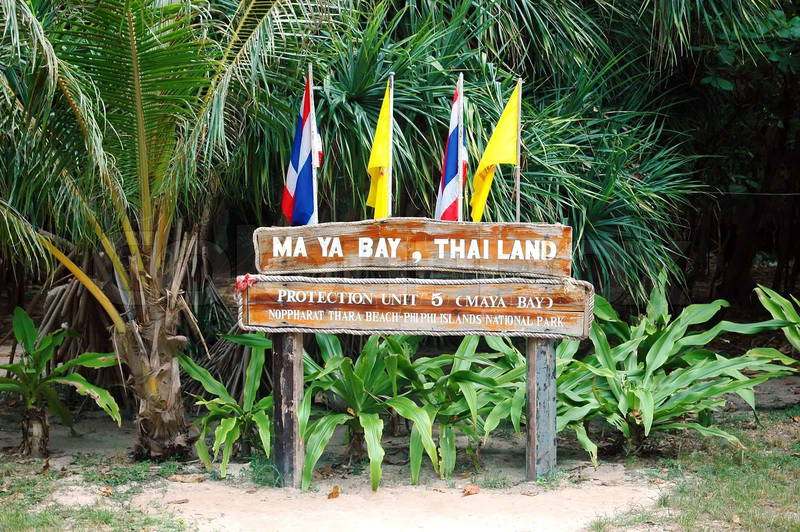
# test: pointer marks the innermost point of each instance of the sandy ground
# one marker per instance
(211, 506)
(580, 495)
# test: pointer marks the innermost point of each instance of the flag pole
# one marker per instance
(314, 161)
(461, 154)
(391, 142)
(517, 169)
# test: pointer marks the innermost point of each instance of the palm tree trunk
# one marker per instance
(35, 433)
(149, 353)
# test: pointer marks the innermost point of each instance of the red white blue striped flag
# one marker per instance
(454, 165)
(299, 203)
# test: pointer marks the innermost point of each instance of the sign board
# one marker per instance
(525, 249)
(505, 307)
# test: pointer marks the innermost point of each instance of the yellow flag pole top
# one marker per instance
(503, 148)
(380, 157)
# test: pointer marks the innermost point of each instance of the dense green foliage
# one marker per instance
(247, 421)
(654, 373)
(97, 120)
(35, 379)
(782, 309)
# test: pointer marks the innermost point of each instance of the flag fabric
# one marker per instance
(454, 162)
(380, 158)
(299, 202)
(503, 148)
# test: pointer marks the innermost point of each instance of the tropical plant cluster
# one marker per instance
(651, 374)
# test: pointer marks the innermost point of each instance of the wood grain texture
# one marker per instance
(287, 374)
(540, 451)
(492, 250)
(505, 307)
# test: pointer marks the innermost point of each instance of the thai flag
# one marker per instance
(299, 203)
(454, 165)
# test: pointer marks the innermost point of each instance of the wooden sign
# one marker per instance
(416, 244)
(508, 307)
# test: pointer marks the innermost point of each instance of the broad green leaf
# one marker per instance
(373, 431)
(415, 453)
(465, 351)
(221, 433)
(573, 414)
(588, 445)
(100, 395)
(517, 406)
(263, 425)
(447, 451)
(500, 411)
(422, 422)
(318, 435)
(201, 375)
(88, 360)
(202, 450)
(252, 380)
(24, 330)
(705, 431)
(230, 438)
(250, 340)
(471, 396)
(646, 408)
(329, 346)
(55, 405)
(770, 353)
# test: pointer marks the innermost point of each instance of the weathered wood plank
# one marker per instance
(287, 374)
(416, 244)
(509, 307)
(540, 451)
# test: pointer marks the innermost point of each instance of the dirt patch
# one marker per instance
(217, 506)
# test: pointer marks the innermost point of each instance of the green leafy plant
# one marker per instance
(654, 374)
(34, 379)
(246, 421)
(782, 309)
(375, 384)
(470, 393)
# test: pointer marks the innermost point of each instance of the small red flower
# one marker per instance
(243, 282)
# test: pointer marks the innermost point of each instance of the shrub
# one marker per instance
(247, 422)
(654, 374)
(30, 379)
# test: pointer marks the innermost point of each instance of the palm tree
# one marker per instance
(118, 112)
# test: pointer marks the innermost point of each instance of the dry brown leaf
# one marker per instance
(464, 475)
(178, 501)
(251, 490)
(188, 479)
(334, 492)
(440, 490)
(106, 491)
(12, 497)
(470, 489)
(796, 419)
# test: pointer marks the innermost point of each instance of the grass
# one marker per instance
(262, 471)
(26, 498)
(720, 487)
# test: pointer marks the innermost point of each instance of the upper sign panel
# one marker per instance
(416, 244)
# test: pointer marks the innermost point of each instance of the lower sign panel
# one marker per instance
(504, 307)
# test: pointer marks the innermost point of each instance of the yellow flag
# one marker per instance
(380, 159)
(502, 149)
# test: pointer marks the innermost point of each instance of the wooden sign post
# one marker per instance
(538, 301)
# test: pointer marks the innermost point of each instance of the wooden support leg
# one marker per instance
(540, 452)
(287, 380)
